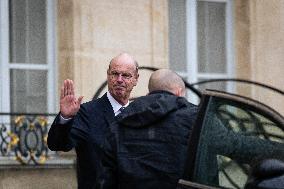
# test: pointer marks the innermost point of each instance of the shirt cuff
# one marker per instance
(63, 120)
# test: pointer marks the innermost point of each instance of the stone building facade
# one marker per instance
(200, 39)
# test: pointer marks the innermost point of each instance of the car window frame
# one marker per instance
(232, 99)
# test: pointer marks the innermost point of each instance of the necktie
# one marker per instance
(121, 108)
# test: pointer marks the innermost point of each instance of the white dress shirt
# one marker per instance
(115, 105)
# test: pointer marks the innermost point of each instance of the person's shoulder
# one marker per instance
(96, 102)
(188, 104)
(187, 108)
(193, 107)
(92, 106)
(89, 103)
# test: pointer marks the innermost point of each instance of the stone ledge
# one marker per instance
(53, 162)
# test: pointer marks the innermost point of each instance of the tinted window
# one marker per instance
(235, 134)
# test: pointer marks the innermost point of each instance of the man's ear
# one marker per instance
(179, 92)
(136, 78)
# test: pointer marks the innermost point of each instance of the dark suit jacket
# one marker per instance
(86, 132)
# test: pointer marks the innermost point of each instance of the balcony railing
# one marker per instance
(23, 137)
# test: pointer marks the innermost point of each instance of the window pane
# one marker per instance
(28, 31)
(221, 86)
(233, 137)
(211, 37)
(28, 91)
(177, 33)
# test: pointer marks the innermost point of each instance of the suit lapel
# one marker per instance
(107, 109)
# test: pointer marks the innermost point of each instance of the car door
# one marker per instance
(230, 135)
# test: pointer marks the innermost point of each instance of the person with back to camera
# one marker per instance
(148, 141)
(84, 127)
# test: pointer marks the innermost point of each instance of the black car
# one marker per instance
(232, 133)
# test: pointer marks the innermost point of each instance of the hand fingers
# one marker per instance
(68, 87)
(65, 86)
(71, 89)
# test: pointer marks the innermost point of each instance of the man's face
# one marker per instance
(121, 77)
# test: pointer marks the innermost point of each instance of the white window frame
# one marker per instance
(4, 57)
(6, 66)
(191, 44)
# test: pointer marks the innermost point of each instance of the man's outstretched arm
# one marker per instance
(59, 133)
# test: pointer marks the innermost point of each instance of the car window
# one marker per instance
(233, 134)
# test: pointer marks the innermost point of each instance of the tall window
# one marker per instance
(201, 40)
(27, 56)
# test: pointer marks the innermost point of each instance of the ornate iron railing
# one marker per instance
(23, 137)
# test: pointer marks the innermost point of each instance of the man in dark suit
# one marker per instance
(84, 127)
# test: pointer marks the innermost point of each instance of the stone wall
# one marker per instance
(38, 178)
(259, 46)
(92, 32)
